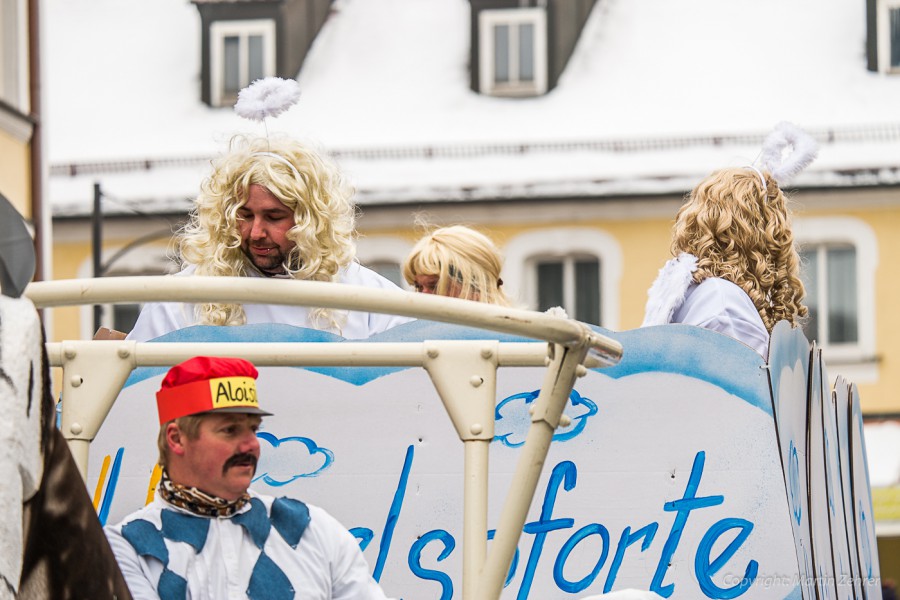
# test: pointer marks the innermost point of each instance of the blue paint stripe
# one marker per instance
(110, 487)
(678, 349)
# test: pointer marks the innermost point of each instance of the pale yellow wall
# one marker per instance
(644, 245)
(645, 241)
(643, 235)
(15, 173)
(72, 259)
(642, 228)
(67, 258)
(883, 395)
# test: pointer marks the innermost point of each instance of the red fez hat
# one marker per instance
(207, 383)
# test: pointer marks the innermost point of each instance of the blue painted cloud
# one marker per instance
(513, 419)
(290, 458)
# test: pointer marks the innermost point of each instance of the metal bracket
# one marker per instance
(88, 392)
(464, 374)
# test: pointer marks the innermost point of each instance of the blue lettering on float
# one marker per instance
(705, 569)
(365, 535)
(627, 538)
(565, 473)
(415, 556)
(683, 507)
(580, 585)
(393, 515)
(515, 561)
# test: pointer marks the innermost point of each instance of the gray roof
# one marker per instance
(657, 94)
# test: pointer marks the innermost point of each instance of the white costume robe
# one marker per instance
(715, 304)
(159, 318)
(720, 305)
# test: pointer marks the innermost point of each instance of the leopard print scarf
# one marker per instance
(196, 501)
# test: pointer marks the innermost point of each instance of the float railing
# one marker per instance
(463, 372)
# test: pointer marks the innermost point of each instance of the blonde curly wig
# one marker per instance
(458, 254)
(324, 217)
(742, 233)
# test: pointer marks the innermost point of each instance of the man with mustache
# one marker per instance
(272, 207)
(206, 535)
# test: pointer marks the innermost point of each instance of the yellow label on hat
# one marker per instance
(226, 392)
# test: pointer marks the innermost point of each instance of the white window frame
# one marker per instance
(849, 231)
(218, 31)
(513, 17)
(524, 251)
(883, 18)
(383, 248)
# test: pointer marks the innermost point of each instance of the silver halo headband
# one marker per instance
(280, 159)
(762, 178)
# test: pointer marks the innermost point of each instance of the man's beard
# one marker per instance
(270, 264)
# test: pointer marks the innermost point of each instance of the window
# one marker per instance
(390, 270)
(894, 27)
(384, 255)
(888, 36)
(513, 52)
(240, 53)
(124, 316)
(576, 268)
(14, 54)
(829, 276)
(572, 282)
(119, 317)
(839, 256)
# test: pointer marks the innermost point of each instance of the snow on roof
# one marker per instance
(123, 84)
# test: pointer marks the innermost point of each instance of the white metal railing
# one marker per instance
(463, 372)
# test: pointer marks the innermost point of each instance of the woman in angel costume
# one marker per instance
(736, 268)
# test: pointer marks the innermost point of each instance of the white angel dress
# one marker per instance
(715, 304)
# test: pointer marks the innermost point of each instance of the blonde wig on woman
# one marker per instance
(304, 181)
(466, 263)
(742, 233)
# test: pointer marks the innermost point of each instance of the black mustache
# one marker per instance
(240, 458)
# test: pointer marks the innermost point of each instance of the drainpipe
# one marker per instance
(41, 224)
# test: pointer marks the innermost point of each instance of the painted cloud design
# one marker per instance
(513, 419)
(283, 460)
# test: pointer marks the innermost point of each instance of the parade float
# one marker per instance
(486, 452)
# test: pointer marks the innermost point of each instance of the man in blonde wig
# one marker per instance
(272, 207)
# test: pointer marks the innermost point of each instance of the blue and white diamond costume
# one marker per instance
(272, 549)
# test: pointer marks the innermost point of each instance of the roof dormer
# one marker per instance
(521, 47)
(246, 40)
